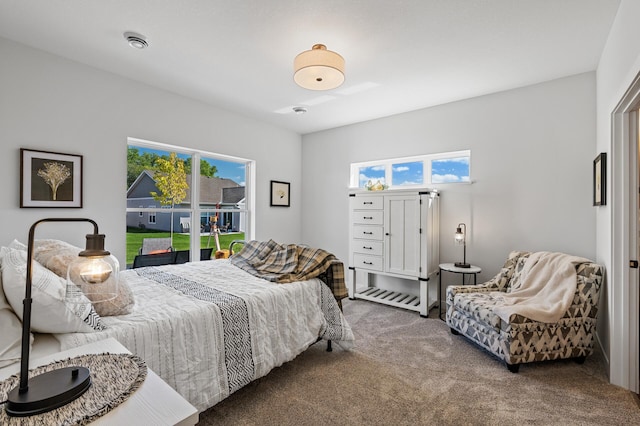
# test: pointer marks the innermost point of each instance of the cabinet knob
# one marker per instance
(386, 233)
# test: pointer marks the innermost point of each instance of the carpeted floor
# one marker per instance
(408, 370)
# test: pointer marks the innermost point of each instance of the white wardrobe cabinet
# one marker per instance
(395, 233)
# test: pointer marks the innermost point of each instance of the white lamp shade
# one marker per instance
(318, 69)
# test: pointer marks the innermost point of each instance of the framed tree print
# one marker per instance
(600, 180)
(280, 194)
(50, 179)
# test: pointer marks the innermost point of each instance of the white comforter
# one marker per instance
(207, 350)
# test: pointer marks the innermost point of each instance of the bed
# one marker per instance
(209, 328)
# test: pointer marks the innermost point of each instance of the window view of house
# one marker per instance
(160, 186)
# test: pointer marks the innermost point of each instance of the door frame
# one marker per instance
(623, 301)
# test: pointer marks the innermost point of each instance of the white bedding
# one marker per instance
(182, 337)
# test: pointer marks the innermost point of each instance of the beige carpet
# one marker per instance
(408, 370)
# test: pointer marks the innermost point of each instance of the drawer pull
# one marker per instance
(368, 217)
(367, 202)
(367, 233)
(367, 248)
(367, 263)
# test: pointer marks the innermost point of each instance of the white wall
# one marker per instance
(619, 65)
(531, 163)
(53, 104)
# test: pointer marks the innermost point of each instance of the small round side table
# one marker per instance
(451, 267)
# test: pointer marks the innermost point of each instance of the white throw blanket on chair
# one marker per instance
(547, 288)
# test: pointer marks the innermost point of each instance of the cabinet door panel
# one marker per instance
(402, 228)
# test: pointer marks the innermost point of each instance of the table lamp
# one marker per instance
(53, 389)
(461, 239)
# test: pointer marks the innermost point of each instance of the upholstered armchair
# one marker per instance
(471, 312)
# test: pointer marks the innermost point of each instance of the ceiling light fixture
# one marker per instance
(318, 68)
(136, 40)
(299, 110)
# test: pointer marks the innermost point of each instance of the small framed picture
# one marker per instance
(600, 180)
(50, 179)
(280, 194)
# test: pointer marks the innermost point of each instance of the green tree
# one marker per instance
(206, 168)
(137, 163)
(171, 180)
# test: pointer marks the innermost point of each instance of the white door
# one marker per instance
(402, 234)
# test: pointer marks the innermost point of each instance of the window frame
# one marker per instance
(194, 209)
(354, 178)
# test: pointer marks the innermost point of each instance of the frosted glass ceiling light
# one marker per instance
(318, 68)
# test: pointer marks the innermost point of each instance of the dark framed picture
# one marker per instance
(50, 179)
(600, 180)
(280, 194)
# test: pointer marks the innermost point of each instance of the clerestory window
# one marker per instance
(416, 171)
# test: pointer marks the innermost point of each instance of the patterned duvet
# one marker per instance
(209, 328)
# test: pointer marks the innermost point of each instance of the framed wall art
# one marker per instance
(600, 180)
(280, 194)
(50, 179)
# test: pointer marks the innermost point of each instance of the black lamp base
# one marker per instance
(48, 391)
(462, 265)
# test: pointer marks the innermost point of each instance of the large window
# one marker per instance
(198, 199)
(408, 172)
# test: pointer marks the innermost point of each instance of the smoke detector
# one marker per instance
(136, 40)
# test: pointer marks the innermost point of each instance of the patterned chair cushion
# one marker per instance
(479, 307)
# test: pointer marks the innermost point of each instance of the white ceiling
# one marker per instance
(400, 55)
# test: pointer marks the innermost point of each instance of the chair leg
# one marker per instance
(513, 367)
(580, 359)
(329, 348)
(454, 332)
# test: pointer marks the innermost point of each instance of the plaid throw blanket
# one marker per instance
(284, 264)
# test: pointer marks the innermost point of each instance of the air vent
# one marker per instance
(136, 40)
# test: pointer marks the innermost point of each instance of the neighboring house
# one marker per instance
(215, 192)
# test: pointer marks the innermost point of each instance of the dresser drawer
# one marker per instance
(367, 247)
(363, 261)
(367, 232)
(367, 217)
(367, 203)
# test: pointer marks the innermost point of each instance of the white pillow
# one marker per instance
(49, 312)
(56, 256)
(15, 244)
(11, 335)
